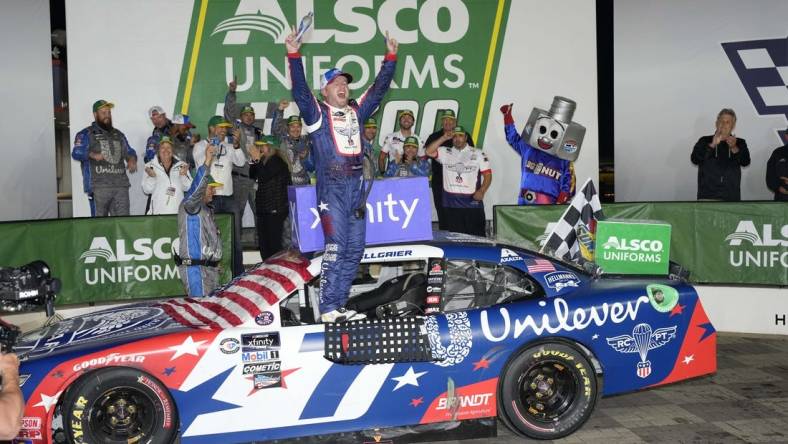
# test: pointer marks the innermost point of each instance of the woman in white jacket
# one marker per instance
(166, 179)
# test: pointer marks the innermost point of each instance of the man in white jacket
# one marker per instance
(166, 178)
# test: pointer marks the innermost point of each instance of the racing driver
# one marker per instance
(334, 127)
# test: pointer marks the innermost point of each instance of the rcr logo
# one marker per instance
(633, 244)
(142, 249)
(746, 230)
(266, 16)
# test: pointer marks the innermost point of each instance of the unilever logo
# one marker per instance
(448, 56)
(762, 68)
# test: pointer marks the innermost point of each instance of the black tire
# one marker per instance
(547, 391)
(119, 405)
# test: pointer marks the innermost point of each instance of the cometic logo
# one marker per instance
(273, 366)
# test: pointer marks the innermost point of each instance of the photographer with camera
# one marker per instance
(11, 403)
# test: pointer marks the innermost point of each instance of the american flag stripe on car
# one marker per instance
(243, 298)
(540, 266)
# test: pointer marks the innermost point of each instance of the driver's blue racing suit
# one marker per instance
(338, 158)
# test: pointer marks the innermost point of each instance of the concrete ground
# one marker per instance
(746, 401)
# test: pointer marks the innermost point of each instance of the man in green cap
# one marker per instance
(105, 155)
(369, 138)
(466, 177)
(448, 121)
(409, 163)
(393, 143)
(297, 147)
(200, 248)
(227, 155)
(246, 129)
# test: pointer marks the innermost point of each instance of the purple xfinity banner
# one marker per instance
(398, 210)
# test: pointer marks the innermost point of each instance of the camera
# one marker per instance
(28, 288)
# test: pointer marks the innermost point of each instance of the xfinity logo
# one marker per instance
(387, 210)
(267, 17)
(141, 249)
(633, 244)
(747, 231)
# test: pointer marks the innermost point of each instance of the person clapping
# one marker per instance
(166, 178)
(408, 163)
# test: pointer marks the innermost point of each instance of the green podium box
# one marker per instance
(633, 247)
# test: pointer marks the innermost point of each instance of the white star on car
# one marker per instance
(323, 206)
(189, 347)
(688, 359)
(595, 336)
(48, 401)
(409, 378)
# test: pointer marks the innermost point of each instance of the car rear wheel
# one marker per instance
(548, 391)
(119, 405)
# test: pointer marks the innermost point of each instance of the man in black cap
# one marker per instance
(448, 121)
(245, 129)
(105, 155)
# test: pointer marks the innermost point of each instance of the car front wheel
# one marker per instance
(119, 405)
(548, 391)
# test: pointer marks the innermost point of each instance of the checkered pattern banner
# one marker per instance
(378, 341)
(578, 221)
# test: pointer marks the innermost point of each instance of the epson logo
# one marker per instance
(273, 366)
(624, 244)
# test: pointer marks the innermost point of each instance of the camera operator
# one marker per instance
(11, 403)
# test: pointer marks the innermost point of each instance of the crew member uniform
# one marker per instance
(462, 170)
(436, 180)
(243, 185)
(104, 181)
(200, 249)
(338, 156)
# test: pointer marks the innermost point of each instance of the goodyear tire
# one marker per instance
(119, 405)
(547, 391)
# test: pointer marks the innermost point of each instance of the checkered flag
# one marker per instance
(582, 214)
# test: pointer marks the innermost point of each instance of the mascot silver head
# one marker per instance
(554, 132)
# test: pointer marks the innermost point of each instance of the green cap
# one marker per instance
(98, 104)
(371, 123)
(411, 141)
(247, 109)
(448, 114)
(165, 139)
(219, 121)
(459, 130)
(406, 112)
(266, 140)
(212, 182)
(293, 120)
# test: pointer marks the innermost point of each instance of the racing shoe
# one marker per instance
(342, 314)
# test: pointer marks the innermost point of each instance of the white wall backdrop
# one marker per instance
(136, 63)
(672, 77)
(27, 171)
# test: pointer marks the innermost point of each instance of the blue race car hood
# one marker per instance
(106, 327)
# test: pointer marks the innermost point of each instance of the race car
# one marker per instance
(459, 330)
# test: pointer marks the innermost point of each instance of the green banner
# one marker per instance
(719, 242)
(106, 259)
(448, 54)
(632, 247)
